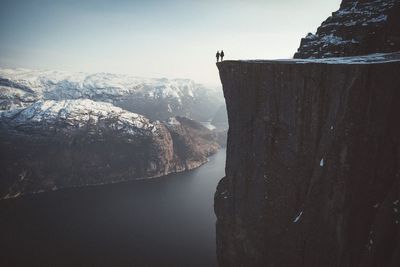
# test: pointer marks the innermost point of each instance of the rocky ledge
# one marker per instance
(313, 163)
(55, 144)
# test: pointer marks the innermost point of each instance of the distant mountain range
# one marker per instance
(157, 99)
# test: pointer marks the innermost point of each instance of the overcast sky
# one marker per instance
(150, 38)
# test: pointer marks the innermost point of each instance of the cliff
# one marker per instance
(313, 163)
(359, 27)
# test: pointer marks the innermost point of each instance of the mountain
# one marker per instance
(157, 99)
(64, 143)
(312, 170)
(61, 129)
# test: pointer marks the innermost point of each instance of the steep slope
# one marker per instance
(312, 170)
(55, 144)
(359, 27)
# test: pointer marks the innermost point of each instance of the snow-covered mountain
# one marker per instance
(59, 129)
(77, 113)
(154, 98)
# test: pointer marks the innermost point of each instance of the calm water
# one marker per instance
(168, 221)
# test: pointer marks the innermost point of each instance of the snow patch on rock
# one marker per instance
(298, 217)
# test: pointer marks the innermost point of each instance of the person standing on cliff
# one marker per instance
(222, 55)
(217, 55)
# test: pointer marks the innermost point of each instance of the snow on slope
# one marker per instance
(78, 113)
(65, 85)
(157, 99)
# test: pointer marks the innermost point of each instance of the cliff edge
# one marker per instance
(313, 163)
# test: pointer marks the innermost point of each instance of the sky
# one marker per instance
(153, 38)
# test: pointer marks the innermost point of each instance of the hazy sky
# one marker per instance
(174, 39)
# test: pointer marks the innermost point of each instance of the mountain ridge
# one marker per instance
(156, 98)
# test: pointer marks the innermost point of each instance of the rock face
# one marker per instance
(313, 163)
(359, 27)
(55, 144)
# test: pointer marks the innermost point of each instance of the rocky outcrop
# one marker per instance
(359, 27)
(56, 144)
(313, 163)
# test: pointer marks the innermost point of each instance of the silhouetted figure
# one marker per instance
(217, 55)
(222, 55)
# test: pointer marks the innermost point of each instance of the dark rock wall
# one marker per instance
(359, 27)
(313, 165)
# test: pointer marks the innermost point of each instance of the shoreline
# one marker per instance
(18, 195)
